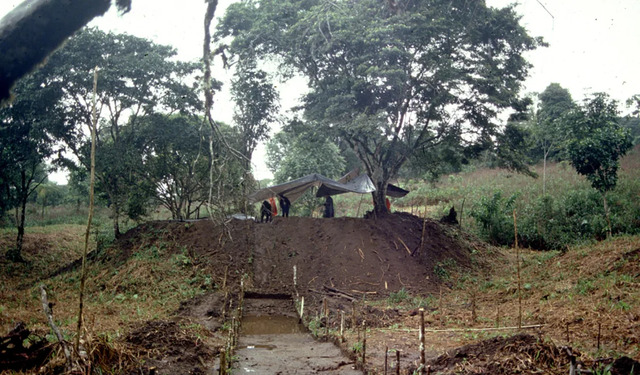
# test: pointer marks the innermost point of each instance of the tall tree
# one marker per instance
(596, 144)
(391, 77)
(176, 161)
(555, 102)
(28, 128)
(136, 78)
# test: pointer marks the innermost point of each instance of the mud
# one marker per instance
(273, 342)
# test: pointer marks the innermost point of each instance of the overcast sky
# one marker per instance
(593, 44)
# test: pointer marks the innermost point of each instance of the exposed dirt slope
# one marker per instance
(356, 256)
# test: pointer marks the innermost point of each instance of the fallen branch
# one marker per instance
(405, 245)
(46, 307)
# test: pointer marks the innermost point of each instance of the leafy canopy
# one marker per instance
(597, 141)
(390, 77)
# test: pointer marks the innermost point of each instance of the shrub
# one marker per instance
(495, 216)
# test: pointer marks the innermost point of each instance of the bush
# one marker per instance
(495, 216)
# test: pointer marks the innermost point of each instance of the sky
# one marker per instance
(593, 46)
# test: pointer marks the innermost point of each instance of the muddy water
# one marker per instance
(272, 342)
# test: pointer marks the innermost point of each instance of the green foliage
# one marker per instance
(398, 297)
(598, 141)
(495, 216)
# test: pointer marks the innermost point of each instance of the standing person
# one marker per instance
(274, 208)
(265, 212)
(285, 204)
(328, 207)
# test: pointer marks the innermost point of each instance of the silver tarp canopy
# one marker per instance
(326, 186)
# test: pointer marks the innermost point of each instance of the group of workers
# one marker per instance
(269, 209)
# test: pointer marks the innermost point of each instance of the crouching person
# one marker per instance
(265, 212)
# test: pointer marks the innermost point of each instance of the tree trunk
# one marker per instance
(379, 197)
(116, 219)
(606, 214)
(20, 238)
(544, 173)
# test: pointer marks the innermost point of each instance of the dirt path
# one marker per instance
(271, 342)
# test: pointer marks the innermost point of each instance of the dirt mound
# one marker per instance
(355, 256)
(521, 354)
(172, 348)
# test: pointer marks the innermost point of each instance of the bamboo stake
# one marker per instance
(92, 180)
(422, 355)
(223, 362)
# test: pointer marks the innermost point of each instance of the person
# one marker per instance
(265, 212)
(274, 208)
(328, 207)
(285, 204)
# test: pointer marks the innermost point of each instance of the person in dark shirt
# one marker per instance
(265, 212)
(328, 207)
(285, 204)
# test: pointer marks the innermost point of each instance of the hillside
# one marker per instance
(165, 291)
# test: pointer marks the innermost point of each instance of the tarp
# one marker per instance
(326, 186)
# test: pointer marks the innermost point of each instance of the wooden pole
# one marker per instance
(341, 325)
(223, 362)
(92, 180)
(515, 229)
(599, 327)
(364, 344)
(301, 308)
(422, 355)
(397, 362)
(386, 355)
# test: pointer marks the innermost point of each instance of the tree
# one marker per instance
(136, 78)
(390, 77)
(596, 144)
(256, 106)
(555, 102)
(176, 161)
(28, 127)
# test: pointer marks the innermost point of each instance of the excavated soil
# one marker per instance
(356, 256)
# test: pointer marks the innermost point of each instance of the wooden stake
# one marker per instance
(498, 316)
(599, 327)
(422, 356)
(397, 362)
(223, 362)
(301, 308)
(341, 325)
(515, 229)
(364, 344)
(386, 355)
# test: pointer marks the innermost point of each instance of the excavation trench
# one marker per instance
(272, 341)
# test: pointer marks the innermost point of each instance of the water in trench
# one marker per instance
(272, 341)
